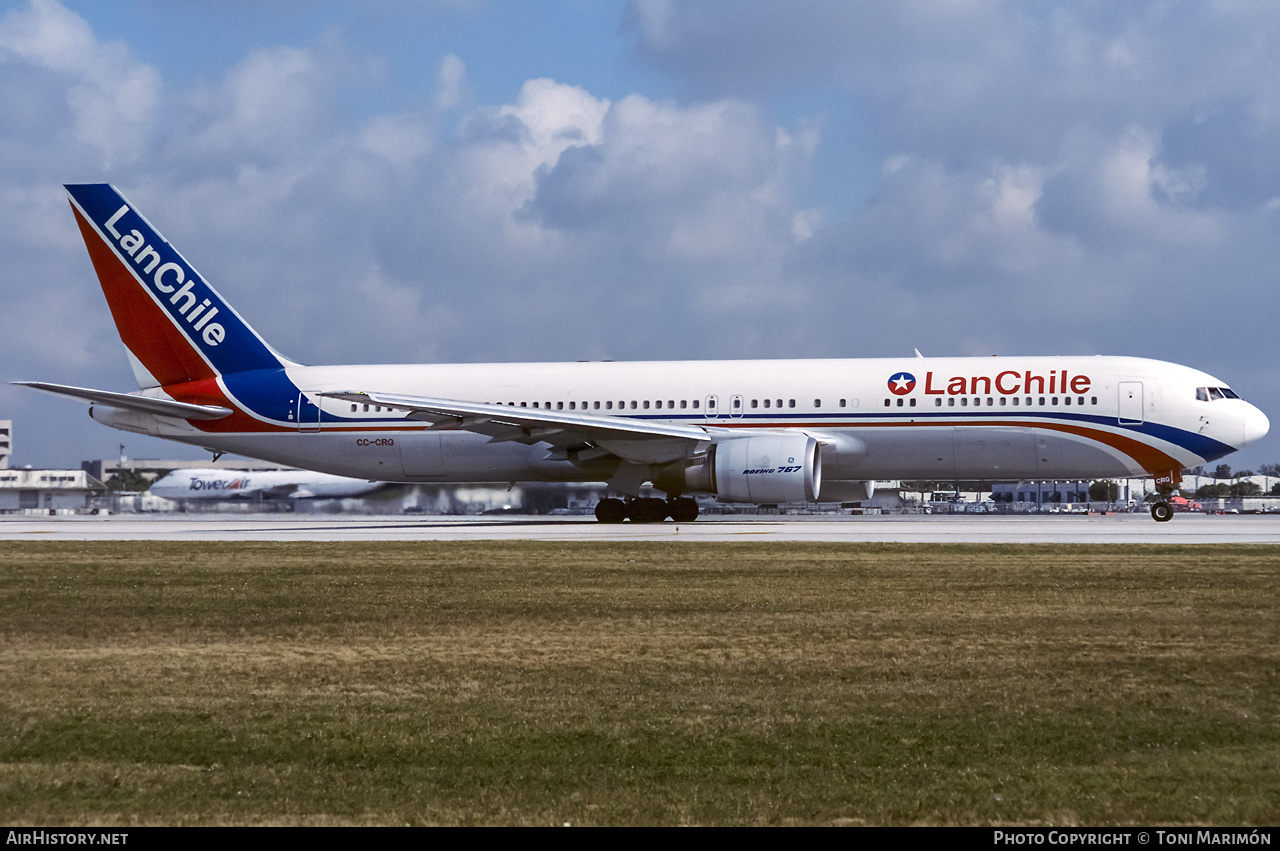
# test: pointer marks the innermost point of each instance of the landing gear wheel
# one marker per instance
(649, 510)
(611, 510)
(684, 509)
(1161, 512)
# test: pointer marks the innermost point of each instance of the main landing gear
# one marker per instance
(1161, 512)
(650, 510)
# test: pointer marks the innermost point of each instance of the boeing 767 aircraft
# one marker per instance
(765, 431)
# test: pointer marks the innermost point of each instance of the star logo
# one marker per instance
(902, 383)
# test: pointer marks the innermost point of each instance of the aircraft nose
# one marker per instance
(1256, 425)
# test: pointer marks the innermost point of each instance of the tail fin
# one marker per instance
(175, 326)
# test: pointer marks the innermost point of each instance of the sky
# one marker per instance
(461, 180)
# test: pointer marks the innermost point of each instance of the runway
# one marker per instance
(1051, 529)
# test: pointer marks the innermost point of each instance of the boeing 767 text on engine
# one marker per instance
(745, 431)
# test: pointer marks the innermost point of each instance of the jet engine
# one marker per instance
(768, 468)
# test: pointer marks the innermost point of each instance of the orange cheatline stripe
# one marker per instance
(1148, 457)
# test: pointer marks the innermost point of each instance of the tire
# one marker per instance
(648, 510)
(1161, 512)
(684, 509)
(611, 511)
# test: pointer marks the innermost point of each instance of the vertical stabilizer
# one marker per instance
(175, 326)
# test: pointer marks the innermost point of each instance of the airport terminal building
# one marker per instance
(46, 491)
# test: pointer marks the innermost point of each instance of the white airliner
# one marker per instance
(211, 483)
(745, 431)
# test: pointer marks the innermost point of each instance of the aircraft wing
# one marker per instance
(130, 401)
(641, 441)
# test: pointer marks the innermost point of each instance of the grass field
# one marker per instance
(454, 683)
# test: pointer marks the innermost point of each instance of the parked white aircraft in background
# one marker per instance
(268, 484)
(746, 431)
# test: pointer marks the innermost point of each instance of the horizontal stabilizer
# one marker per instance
(132, 402)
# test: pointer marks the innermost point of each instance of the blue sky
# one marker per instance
(491, 181)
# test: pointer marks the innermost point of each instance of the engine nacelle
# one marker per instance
(839, 491)
(768, 468)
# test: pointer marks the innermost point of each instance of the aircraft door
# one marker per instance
(712, 409)
(422, 454)
(1131, 412)
(306, 414)
(735, 407)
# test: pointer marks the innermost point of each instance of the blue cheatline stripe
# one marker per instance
(212, 328)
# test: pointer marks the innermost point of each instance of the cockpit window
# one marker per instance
(1228, 392)
(1202, 394)
(1215, 393)
(1206, 394)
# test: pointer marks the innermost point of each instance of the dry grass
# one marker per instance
(638, 683)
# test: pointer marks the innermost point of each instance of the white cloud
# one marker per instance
(268, 106)
(112, 97)
(450, 82)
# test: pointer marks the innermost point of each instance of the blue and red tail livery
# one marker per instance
(172, 321)
(763, 431)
